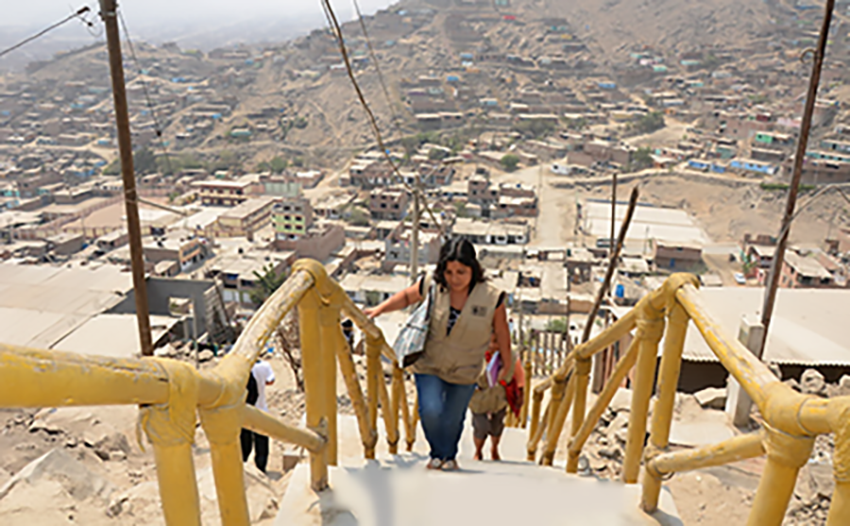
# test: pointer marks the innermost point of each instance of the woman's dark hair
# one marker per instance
(461, 250)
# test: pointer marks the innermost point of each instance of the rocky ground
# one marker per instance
(85, 466)
(723, 495)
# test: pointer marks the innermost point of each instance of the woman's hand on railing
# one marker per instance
(373, 312)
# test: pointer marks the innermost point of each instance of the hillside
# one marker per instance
(269, 87)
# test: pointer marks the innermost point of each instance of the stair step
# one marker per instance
(398, 490)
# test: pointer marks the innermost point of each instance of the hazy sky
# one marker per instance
(144, 12)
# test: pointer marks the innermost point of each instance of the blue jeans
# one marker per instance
(442, 408)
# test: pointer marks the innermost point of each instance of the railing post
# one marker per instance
(395, 402)
(536, 344)
(604, 399)
(311, 358)
(170, 428)
(786, 454)
(386, 411)
(839, 419)
(536, 432)
(650, 330)
(373, 370)
(329, 325)
(526, 394)
(368, 434)
(662, 415)
(582, 374)
(407, 418)
(562, 399)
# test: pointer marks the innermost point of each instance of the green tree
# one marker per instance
(557, 325)
(535, 128)
(437, 155)
(267, 282)
(298, 162)
(641, 159)
(278, 165)
(460, 209)
(649, 123)
(373, 298)
(113, 168)
(359, 217)
(509, 162)
(144, 161)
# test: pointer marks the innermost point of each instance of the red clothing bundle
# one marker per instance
(514, 388)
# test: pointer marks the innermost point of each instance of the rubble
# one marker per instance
(712, 397)
(812, 382)
(57, 467)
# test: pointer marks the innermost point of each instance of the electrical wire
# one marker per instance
(337, 30)
(817, 195)
(156, 124)
(77, 14)
(374, 58)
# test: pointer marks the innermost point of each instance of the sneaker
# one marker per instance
(450, 465)
(434, 463)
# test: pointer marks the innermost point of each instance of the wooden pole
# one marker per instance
(108, 12)
(799, 157)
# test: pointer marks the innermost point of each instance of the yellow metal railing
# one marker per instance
(172, 395)
(792, 420)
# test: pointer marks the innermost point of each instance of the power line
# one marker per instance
(334, 24)
(77, 14)
(156, 125)
(374, 58)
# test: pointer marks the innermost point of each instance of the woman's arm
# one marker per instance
(397, 301)
(503, 339)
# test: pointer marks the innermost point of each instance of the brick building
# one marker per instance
(388, 203)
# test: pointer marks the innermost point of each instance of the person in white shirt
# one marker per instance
(261, 376)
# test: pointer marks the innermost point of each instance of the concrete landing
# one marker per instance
(398, 490)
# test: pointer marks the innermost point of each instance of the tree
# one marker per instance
(113, 168)
(298, 162)
(557, 325)
(650, 122)
(535, 128)
(278, 165)
(144, 161)
(460, 209)
(641, 159)
(509, 162)
(359, 217)
(437, 154)
(267, 282)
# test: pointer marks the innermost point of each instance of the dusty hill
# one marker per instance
(676, 25)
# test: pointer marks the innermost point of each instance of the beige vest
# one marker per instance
(458, 358)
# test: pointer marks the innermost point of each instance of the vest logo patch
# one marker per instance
(478, 310)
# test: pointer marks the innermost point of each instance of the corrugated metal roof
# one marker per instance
(115, 335)
(809, 326)
(40, 305)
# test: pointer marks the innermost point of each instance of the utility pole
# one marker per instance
(613, 215)
(802, 146)
(414, 239)
(108, 12)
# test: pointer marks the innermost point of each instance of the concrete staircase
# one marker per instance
(398, 490)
